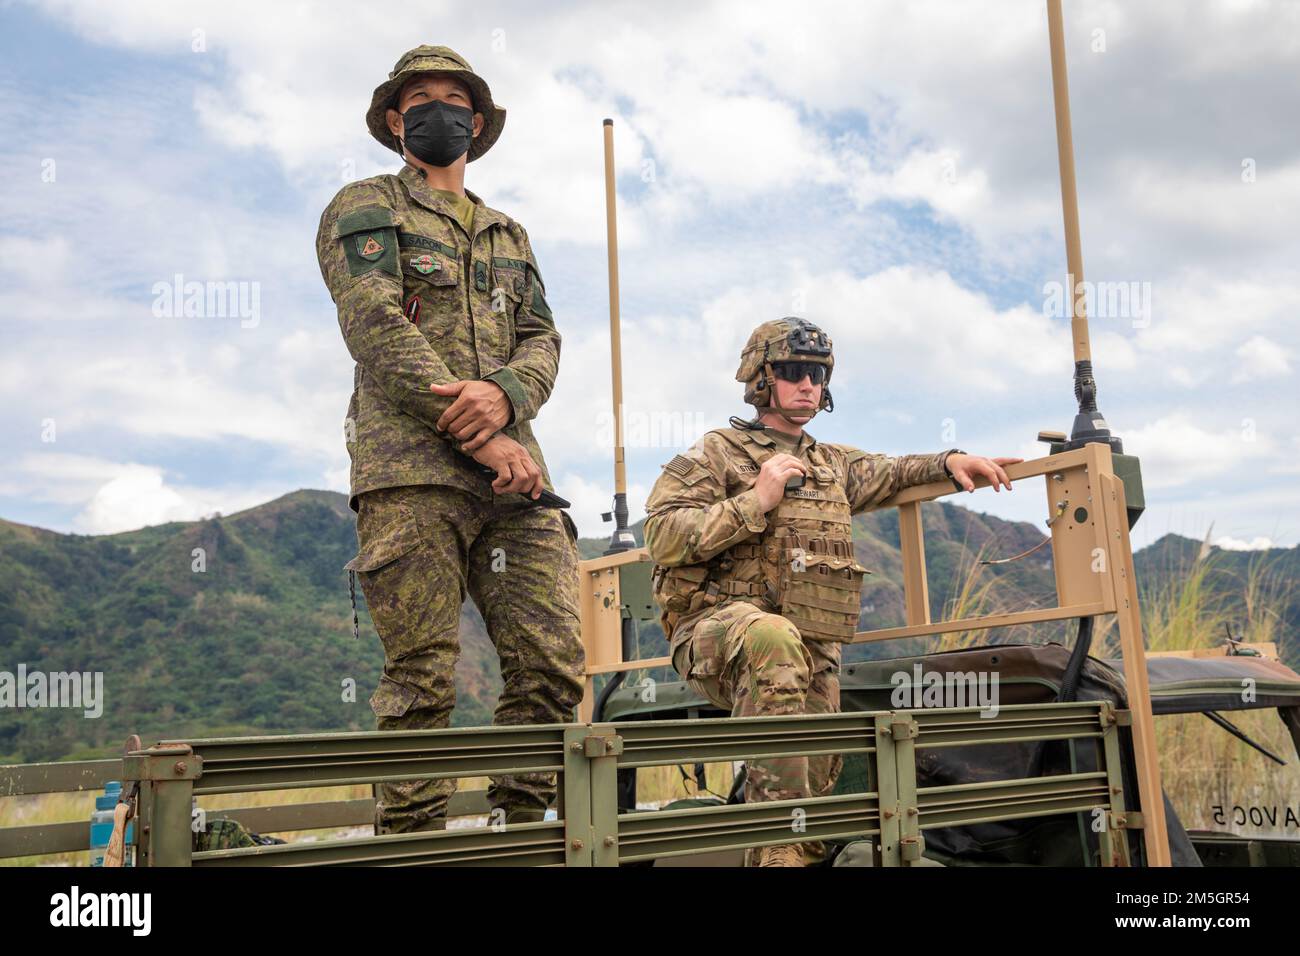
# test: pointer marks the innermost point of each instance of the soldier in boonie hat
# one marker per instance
(437, 61)
(441, 304)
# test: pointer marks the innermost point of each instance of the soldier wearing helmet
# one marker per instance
(751, 534)
(442, 306)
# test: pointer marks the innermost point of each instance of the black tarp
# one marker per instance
(1027, 674)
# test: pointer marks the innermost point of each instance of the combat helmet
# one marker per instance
(783, 340)
(445, 61)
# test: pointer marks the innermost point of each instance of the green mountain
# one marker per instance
(241, 624)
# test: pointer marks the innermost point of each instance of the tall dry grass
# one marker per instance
(77, 807)
(971, 596)
(1206, 771)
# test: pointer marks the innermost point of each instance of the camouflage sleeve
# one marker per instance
(356, 245)
(873, 478)
(689, 519)
(529, 376)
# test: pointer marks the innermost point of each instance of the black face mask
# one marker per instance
(438, 133)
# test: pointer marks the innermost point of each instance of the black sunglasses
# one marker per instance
(797, 371)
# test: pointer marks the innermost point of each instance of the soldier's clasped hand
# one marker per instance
(966, 468)
(515, 468)
(776, 471)
(481, 409)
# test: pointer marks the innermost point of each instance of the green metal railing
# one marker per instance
(893, 811)
(90, 776)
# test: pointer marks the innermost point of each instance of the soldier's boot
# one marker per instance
(523, 815)
(412, 806)
(813, 853)
(520, 798)
(395, 812)
(787, 854)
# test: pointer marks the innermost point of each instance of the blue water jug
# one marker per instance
(101, 825)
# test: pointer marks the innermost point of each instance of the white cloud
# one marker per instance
(892, 330)
(1236, 544)
(1261, 358)
(118, 496)
(783, 149)
(733, 99)
(1179, 450)
(58, 477)
(134, 498)
(176, 396)
(139, 496)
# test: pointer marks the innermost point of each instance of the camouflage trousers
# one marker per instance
(224, 834)
(422, 548)
(754, 664)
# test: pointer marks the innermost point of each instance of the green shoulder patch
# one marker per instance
(538, 299)
(367, 251)
(369, 237)
(539, 306)
(364, 219)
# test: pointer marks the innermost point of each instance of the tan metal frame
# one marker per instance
(600, 610)
(1093, 561)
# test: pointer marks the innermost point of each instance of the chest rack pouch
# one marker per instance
(821, 594)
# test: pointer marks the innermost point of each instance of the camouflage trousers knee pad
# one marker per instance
(773, 667)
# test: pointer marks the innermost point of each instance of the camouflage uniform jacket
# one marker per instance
(420, 301)
(713, 544)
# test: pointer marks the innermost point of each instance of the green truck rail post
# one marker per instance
(886, 764)
(903, 731)
(1114, 852)
(575, 798)
(166, 775)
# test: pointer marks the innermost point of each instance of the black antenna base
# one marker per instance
(622, 539)
(1089, 425)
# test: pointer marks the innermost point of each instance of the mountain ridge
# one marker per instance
(240, 623)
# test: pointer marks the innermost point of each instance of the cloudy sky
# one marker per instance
(888, 170)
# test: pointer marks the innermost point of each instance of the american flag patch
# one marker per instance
(680, 466)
